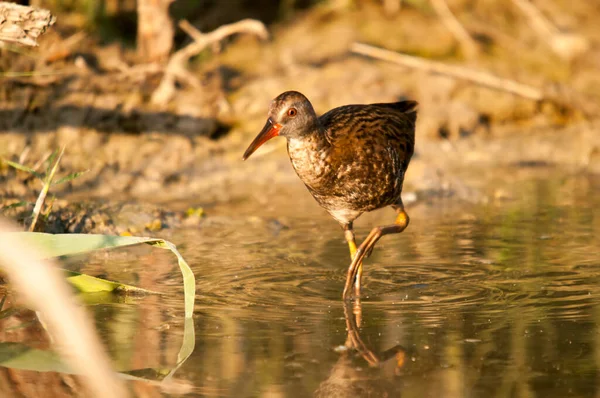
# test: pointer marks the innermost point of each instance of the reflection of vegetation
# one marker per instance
(57, 245)
(22, 357)
(497, 300)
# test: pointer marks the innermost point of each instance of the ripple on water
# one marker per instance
(273, 287)
(474, 265)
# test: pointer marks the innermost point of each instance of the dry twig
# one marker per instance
(22, 25)
(175, 68)
(467, 43)
(482, 78)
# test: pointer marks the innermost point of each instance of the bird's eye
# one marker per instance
(292, 112)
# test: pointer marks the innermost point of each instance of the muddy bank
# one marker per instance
(189, 152)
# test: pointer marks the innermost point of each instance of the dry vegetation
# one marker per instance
(174, 126)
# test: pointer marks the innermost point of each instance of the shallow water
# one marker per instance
(501, 299)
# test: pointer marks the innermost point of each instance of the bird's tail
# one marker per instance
(409, 108)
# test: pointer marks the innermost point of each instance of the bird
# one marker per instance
(352, 159)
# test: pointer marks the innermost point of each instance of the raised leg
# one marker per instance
(355, 269)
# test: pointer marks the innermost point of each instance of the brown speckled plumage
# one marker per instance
(355, 161)
(352, 159)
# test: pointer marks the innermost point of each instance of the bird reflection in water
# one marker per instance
(348, 378)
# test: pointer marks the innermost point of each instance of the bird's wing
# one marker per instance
(385, 122)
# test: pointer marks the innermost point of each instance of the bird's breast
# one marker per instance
(349, 178)
(311, 162)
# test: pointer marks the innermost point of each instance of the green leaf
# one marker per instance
(53, 164)
(14, 205)
(17, 356)
(54, 245)
(187, 346)
(69, 177)
(20, 356)
(90, 284)
(24, 168)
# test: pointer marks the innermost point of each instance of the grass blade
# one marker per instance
(47, 182)
(42, 287)
(14, 205)
(24, 168)
(54, 245)
(50, 160)
(69, 177)
(90, 284)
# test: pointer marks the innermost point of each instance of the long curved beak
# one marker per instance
(269, 131)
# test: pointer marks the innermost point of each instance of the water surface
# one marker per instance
(499, 299)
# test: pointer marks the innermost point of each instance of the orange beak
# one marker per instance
(269, 131)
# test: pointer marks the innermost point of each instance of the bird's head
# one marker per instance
(291, 115)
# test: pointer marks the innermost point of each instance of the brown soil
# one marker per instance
(472, 142)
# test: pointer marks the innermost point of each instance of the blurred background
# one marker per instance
(122, 85)
(493, 289)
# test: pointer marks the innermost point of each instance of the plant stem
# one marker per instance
(42, 197)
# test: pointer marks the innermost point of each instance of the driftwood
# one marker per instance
(459, 72)
(176, 67)
(23, 25)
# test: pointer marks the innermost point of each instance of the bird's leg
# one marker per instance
(349, 235)
(355, 269)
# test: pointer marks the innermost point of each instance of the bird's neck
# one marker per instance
(314, 141)
(309, 156)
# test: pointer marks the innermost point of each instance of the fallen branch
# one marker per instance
(23, 25)
(482, 78)
(175, 68)
(465, 40)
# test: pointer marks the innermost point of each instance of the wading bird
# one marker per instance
(352, 159)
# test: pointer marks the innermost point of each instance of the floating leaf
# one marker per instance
(90, 284)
